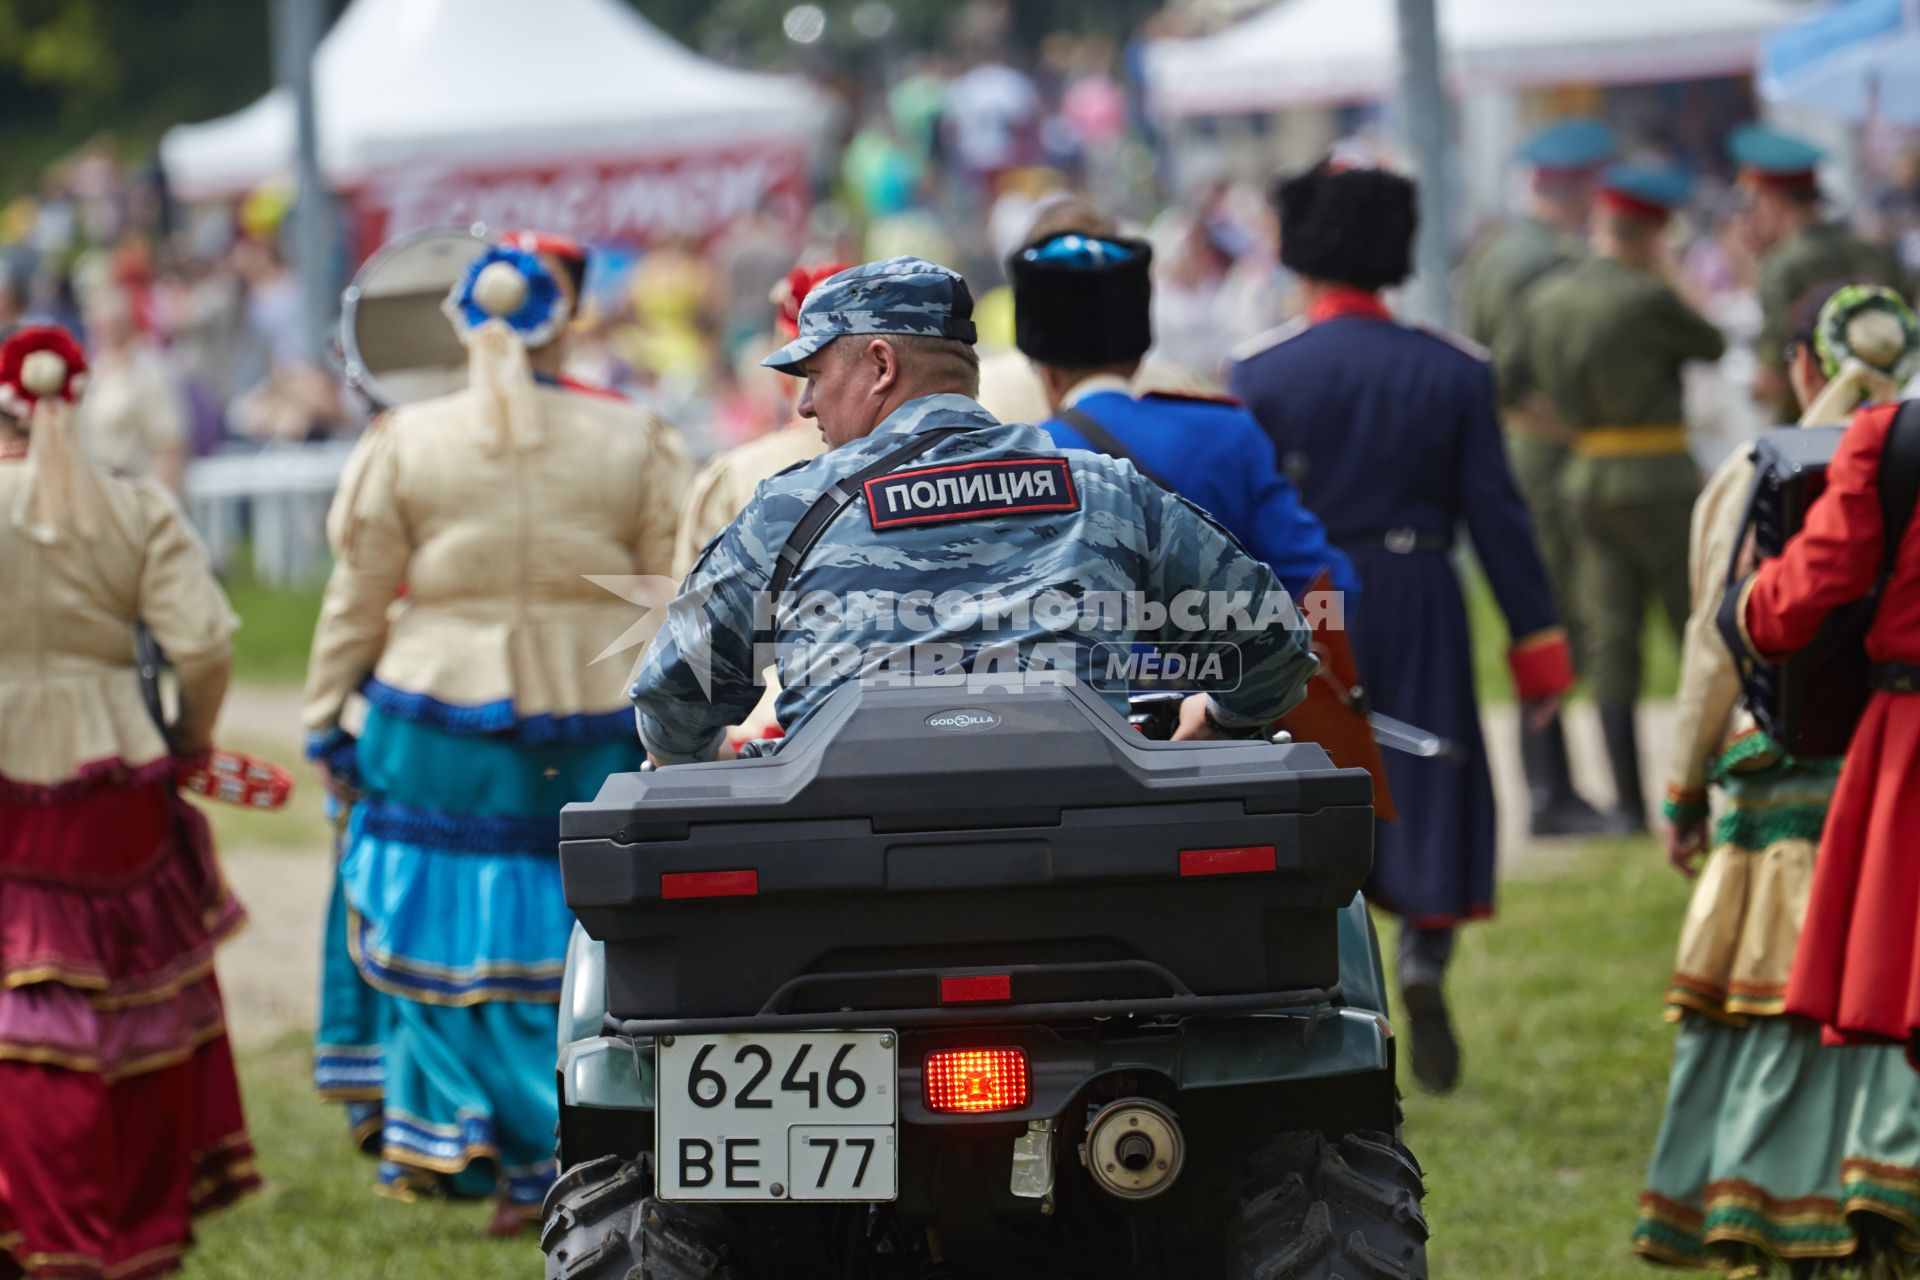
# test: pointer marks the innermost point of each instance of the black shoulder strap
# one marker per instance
(1899, 482)
(147, 661)
(838, 496)
(1105, 441)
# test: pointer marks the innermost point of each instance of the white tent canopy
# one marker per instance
(1303, 52)
(403, 82)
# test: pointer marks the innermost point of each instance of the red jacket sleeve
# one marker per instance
(1835, 558)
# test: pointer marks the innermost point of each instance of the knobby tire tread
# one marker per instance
(601, 1223)
(1314, 1209)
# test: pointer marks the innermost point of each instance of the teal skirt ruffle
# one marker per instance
(1776, 1144)
(451, 877)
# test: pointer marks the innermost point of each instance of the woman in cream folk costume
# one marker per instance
(120, 1116)
(487, 708)
(1773, 1145)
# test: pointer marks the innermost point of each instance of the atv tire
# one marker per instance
(1311, 1209)
(602, 1223)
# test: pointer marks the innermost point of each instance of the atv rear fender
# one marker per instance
(612, 1073)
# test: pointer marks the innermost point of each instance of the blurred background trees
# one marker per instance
(71, 70)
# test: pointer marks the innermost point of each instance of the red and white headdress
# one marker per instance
(39, 362)
(42, 373)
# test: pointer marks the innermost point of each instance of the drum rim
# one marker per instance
(353, 366)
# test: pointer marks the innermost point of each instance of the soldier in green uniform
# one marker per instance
(1601, 344)
(1799, 246)
(1565, 160)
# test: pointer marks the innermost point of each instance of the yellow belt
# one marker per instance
(1646, 440)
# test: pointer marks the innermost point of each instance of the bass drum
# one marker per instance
(398, 346)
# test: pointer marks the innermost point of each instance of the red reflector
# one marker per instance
(976, 1080)
(709, 884)
(1226, 862)
(976, 986)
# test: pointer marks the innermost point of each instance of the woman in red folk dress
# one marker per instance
(1857, 971)
(119, 1112)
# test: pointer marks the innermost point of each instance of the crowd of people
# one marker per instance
(947, 158)
(944, 153)
(456, 700)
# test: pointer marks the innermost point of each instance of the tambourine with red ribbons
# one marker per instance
(235, 778)
(231, 777)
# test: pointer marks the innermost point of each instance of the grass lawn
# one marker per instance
(276, 627)
(320, 1216)
(1533, 1166)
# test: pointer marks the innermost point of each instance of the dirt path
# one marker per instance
(280, 866)
(270, 973)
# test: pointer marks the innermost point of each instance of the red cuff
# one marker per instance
(1542, 664)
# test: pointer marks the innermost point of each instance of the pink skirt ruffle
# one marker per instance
(60, 1026)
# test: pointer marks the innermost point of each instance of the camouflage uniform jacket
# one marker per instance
(1016, 590)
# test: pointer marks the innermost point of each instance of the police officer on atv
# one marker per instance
(977, 551)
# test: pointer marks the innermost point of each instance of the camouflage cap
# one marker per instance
(898, 295)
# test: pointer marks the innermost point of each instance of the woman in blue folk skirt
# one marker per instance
(465, 534)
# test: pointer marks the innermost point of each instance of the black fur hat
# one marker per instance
(1078, 304)
(1350, 226)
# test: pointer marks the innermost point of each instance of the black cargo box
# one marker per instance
(936, 832)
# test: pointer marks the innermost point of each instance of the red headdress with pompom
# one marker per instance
(40, 362)
(793, 290)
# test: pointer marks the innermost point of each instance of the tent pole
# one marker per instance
(297, 27)
(1422, 110)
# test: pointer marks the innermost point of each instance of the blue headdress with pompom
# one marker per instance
(536, 320)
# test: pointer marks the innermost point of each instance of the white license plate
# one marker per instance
(788, 1115)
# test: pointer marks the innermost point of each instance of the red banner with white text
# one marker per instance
(641, 200)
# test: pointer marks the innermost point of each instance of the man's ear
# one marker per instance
(886, 362)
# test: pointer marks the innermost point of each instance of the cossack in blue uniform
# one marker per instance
(1393, 435)
(1393, 432)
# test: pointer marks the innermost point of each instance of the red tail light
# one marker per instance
(709, 884)
(1227, 862)
(970, 987)
(976, 1080)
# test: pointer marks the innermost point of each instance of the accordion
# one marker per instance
(1810, 702)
